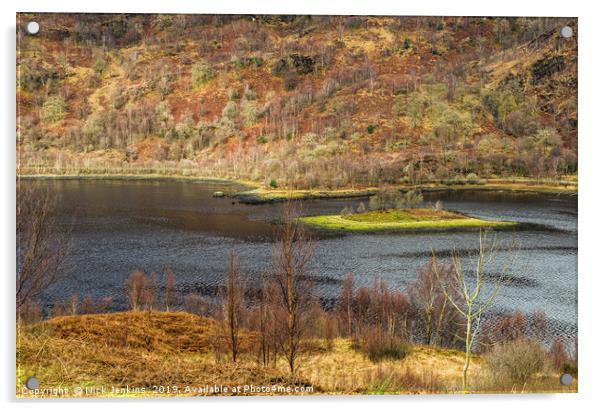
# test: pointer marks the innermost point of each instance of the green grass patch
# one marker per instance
(404, 219)
(262, 195)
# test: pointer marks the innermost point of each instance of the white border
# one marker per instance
(590, 270)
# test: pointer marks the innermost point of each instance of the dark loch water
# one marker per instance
(119, 226)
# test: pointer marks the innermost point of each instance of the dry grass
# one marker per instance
(141, 349)
(344, 370)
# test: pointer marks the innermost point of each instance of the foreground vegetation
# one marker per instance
(413, 219)
(155, 349)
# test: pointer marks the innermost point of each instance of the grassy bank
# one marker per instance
(261, 195)
(412, 219)
(146, 349)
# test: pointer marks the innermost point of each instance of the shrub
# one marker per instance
(244, 62)
(520, 123)
(233, 94)
(399, 105)
(472, 178)
(515, 362)
(378, 346)
(371, 128)
(570, 367)
(346, 211)
(94, 126)
(201, 74)
(53, 110)
(290, 81)
(249, 112)
(261, 140)
(100, 65)
(547, 139)
(249, 94)
(411, 199)
(230, 110)
(392, 198)
(503, 328)
(558, 355)
(273, 183)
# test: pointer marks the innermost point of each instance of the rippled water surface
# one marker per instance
(119, 226)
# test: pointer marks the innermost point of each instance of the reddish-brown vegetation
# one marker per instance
(307, 101)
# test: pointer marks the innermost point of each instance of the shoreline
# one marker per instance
(254, 193)
(137, 177)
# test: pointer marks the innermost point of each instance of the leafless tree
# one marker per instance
(42, 247)
(502, 328)
(262, 320)
(345, 306)
(88, 306)
(170, 288)
(73, 304)
(134, 288)
(199, 305)
(292, 277)
(435, 314)
(467, 296)
(233, 307)
(150, 291)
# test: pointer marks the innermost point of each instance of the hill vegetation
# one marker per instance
(298, 101)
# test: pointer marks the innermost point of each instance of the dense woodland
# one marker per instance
(298, 101)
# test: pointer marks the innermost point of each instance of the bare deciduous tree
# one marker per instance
(435, 314)
(292, 277)
(262, 320)
(467, 296)
(170, 288)
(345, 306)
(233, 305)
(42, 247)
(73, 304)
(134, 288)
(150, 291)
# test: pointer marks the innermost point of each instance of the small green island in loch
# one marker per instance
(406, 219)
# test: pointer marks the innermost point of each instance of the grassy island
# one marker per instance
(413, 219)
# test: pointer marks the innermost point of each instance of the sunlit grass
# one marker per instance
(405, 219)
(142, 349)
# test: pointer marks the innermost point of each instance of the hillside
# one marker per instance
(146, 349)
(297, 101)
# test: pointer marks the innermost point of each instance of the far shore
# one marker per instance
(256, 193)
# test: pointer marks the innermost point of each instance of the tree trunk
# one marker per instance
(467, 353)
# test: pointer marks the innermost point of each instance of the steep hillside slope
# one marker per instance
(298, 101)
